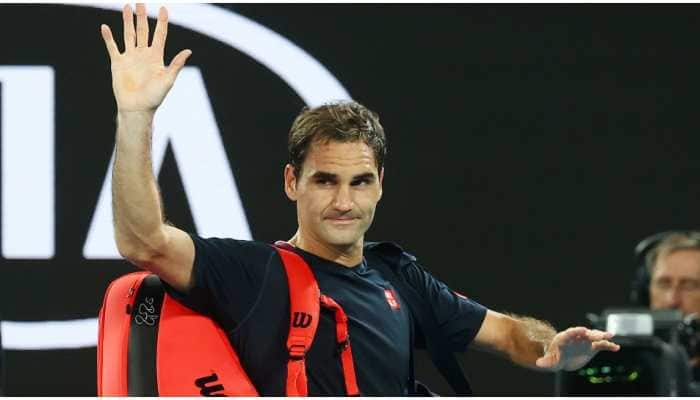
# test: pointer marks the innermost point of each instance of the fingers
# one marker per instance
(141, 26)
(579, 332)
(112, 48)
(595, 334)
(575, 331)
(549, 360)
(129, 33)
(599, 340)
(604, 345)
(570, 334)
(543, 362)
(161, 32)
(178, 62)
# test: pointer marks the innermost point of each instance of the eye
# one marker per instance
(324, 182)
(690, 285)
(361, 182)
(662, 284)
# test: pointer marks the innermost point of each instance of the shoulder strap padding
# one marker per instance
(304, 308)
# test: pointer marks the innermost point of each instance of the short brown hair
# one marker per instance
(342, 121)
(688, 240)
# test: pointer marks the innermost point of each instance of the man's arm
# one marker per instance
(536, 344)
(140, 82)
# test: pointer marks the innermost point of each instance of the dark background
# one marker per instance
(531, 147)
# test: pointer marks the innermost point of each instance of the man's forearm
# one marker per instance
(535, 344)
(138, 217)
(530, 339)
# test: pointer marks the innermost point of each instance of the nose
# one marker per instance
(674, 298)
(342, 200)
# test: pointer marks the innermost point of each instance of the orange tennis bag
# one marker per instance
(151, 345)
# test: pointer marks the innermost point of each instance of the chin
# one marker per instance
(343, 243)
(341, 240)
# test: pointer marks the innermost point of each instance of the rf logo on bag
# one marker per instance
(301, 320)
(146, 313)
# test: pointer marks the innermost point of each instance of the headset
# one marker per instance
(639, 291)
(689, 330)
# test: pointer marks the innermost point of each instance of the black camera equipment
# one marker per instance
(653, 358)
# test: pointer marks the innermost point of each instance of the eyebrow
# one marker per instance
(366, 176)
(330, 176)
(324, 175)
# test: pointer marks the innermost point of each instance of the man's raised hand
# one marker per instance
(140, 79)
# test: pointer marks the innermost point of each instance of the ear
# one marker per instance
(381, 183)
(290, 182)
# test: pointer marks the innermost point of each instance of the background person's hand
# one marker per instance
(575, 347)
(139, 77)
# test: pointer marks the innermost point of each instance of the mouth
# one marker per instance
(342, 220)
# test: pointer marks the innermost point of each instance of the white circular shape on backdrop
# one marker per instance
(304, 74)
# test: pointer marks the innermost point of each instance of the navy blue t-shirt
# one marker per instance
(243, 286)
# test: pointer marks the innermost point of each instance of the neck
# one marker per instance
(348, 256)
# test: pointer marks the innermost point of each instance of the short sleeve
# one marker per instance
(458, 316)
(228, 277)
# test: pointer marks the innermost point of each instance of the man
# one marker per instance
(335, 177)
(674, 267)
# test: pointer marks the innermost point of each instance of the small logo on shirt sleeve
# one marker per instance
(392, 299)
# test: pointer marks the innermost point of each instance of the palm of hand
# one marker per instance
(575, 353)
(575, 347)
(140, 80)
(139, 77)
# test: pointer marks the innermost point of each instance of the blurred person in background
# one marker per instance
(671, 264)
(674, 267)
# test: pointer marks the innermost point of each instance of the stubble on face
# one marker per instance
(336, 195)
